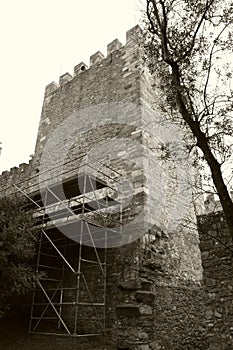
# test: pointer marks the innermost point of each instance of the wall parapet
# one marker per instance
(18, 174)
(212, 204)
(14, 176)
(132, 35)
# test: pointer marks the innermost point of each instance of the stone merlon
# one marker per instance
(131, 35)
(51, 88)
(113, 46)
(96, 58)
(81, 67)
(65, 78)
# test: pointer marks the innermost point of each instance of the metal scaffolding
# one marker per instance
(76, 230)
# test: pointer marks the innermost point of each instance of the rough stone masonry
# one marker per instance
(153, 295)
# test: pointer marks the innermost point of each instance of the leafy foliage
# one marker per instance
(189, 50)
(17, 248)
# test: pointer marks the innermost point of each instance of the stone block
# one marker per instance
(65, 78)
(14, 169)
(147, 285)
(155, 346)
(50, 88)
(143, 336)
(113, 46)
(5, 173)
(96, 58)
(145, 297)
(81, 67)
(127, 310)
(145, 310)
(130, 285)
(133, 33)
(143, 347)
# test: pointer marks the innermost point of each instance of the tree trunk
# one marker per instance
(202, 143)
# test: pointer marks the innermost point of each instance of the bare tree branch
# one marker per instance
(193, 45)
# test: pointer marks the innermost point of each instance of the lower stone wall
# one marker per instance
(179, 317)
(150, 309)
(161, 317)
(217, 259)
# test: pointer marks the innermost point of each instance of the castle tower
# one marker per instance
(111, 180)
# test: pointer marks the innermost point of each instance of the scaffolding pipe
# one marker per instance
(50, 302)
(99, 320)
(58, 251)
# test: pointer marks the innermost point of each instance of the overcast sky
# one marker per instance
(41, 40)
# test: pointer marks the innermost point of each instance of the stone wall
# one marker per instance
(217, 259)
(111, 79)
(118, 88)
(149, 307)
(153, 282)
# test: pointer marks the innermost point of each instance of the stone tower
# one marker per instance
(105, 193)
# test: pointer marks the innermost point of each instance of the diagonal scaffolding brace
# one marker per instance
(79, 275)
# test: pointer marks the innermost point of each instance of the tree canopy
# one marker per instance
(189, 46)
(17, 248)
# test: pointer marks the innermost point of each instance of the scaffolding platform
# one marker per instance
(79, 218)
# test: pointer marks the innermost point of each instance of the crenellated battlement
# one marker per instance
(65, 78)
(213, 205)
(95, 59)
(99, 138)
(15, 175)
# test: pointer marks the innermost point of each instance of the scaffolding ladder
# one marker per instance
(70, 298)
